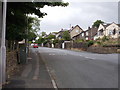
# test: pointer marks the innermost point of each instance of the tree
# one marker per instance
(33, 28)
(43, 33)
(41, 40)
(97, 23)
(17, 18)
(50, 37)
(66, 35)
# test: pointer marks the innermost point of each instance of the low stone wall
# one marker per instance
(84, 47)
(102, 50)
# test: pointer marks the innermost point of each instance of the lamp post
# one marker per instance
(0, 45)
(3, 48)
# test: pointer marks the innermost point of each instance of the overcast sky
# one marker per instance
(78, 13)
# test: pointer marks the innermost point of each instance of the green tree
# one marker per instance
(33, 28)
(43, 33)
(50, 37)
(66, 35)
(97, 23)
(18, 21)
(41, 40)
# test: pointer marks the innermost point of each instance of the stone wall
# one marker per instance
(84, 47)
(102, 50)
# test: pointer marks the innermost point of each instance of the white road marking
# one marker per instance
(57, 54)
(52, 79)
(54, 84)
(52, 54)
(89, 58)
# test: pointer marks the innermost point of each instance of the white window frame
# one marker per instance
(82, 34)
(86, 33)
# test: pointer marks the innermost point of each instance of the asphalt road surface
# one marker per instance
(70, 69)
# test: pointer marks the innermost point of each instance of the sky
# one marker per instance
(78, 13)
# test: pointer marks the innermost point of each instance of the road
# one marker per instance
(70, 69)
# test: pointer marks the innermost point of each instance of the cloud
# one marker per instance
(81, 13)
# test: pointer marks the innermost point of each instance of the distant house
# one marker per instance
(75, 31)
(86, 35)
(92, 32)
(112, 30)
(82, 35)
(59, 35)
(102, 30)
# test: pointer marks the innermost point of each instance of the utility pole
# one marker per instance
(3, 47)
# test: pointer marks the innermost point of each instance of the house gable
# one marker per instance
(113, 30)
(75, 31)
(101, 26)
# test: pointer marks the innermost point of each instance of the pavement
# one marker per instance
(59, 68)
(32, 75)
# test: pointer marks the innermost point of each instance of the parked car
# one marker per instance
(35, 45)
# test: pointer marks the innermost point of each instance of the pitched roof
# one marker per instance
(105, 25)
(79, 34)
(77, 26)
(118, 25)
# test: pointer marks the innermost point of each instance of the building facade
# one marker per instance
(111, 30)
(75, 31)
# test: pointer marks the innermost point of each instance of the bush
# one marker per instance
(79, 40)
(105, 38)
(98, 42)
(55, 41)
(89, 43)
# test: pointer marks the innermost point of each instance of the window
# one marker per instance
(86, 33)
(77, 31)
(110, 32)
(86, 38)
(114, 32)
(82, 34)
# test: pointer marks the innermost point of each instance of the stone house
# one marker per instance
(82, 35)
(91, 32)
(75, 31)
(87, 35)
